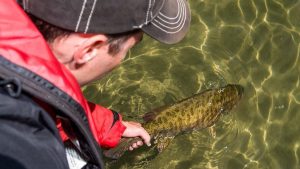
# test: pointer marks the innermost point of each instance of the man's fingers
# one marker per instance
(134, 129)
(146, 137)
(136, 145)
(139, 143)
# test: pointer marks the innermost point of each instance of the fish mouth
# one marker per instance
(238, 88)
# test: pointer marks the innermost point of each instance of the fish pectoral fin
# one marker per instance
(212, 131)
(163, 142)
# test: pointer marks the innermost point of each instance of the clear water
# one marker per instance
(254, 43)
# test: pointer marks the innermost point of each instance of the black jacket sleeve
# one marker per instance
(28, 136)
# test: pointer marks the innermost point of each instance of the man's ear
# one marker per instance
(89, 48)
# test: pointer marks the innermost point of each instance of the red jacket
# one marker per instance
(22, 44)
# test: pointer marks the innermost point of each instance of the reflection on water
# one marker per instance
(253, 43)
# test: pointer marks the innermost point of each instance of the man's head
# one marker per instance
(51, 32)
(91, 37)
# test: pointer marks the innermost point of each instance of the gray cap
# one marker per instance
(165, 20)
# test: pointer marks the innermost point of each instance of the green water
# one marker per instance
(252, 43)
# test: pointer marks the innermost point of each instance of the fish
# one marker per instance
(197, 112)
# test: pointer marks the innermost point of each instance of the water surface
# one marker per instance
(254, 43)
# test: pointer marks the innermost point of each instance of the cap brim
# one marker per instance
(172, 22)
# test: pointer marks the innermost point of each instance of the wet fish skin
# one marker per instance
(196, 112)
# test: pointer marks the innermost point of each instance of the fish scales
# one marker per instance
(197, 112)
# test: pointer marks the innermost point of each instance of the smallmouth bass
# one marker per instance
(194, 113)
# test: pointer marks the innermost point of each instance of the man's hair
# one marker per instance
(50, 32)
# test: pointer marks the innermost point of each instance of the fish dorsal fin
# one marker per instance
(163, 142)
(149, 116)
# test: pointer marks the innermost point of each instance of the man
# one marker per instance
(39, 88)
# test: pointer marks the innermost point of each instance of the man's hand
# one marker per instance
(134, 129)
